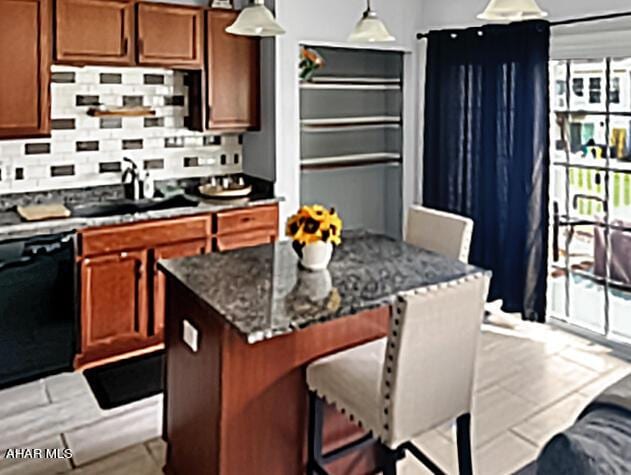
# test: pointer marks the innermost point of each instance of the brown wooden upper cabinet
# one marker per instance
(233, 75)
(25, 56)
(169, 35)
(94, 32)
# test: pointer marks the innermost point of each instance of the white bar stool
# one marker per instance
(444, 233)
(402, 386)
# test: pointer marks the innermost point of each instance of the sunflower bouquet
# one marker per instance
(315, 230)
(315, 223)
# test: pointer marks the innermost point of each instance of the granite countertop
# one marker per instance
(262, 292)
(20, 229)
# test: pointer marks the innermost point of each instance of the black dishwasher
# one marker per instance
(37, 307)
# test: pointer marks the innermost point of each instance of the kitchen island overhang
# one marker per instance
(236, 397)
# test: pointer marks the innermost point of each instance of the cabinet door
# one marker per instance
(169, 36)
(94, 32)
(25, 56)
(113, 304)
(233, 75)
(170, 251)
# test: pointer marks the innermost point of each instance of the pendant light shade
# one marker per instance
(512, 10)
(370, 29)
(256, 20)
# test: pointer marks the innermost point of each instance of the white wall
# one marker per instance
(458, 13)
(333, 20)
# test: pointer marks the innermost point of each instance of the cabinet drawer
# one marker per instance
(242, 220)
(247, 239)
(143, 235)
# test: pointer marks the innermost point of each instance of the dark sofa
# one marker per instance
(598, 443)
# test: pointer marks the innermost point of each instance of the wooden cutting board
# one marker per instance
(42, 212)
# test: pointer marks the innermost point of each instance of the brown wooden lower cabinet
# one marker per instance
(122, 290)
(169, 251)
(114, 304)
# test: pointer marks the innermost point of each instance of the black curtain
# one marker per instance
(486, 150)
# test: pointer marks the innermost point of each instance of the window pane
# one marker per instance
(620, 310)
(595, 95)
(558, 85)
(560, 90)
(586, 286)
(614, 94)
(620, 93)
(587, 79)
(584, 134)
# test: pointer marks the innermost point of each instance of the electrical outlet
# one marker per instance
(190, 335)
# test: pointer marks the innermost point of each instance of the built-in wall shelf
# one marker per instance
(350, 160)
(346, 121)
(351, 136)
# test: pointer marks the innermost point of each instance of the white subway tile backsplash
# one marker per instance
(90, 154)
(87, 76)
(109, 145)
(61, 147)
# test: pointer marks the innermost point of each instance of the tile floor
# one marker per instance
(532, 381)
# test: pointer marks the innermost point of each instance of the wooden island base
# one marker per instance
(233, 408)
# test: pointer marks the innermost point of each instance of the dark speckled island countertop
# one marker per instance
(263, 293)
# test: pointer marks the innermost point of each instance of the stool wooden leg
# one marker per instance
(316, 408)
(463, 435)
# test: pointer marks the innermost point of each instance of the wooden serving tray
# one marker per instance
(219, 192)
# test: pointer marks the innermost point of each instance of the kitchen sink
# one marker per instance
(116, 207)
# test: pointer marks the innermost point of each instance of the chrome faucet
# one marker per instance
(132, 184)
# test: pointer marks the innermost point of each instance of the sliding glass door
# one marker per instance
(589, 283)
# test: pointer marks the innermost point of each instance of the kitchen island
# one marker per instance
(242, 326)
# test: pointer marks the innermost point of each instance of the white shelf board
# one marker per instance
(343, 121)
(348, 128)
(349, 87)
(352, 80)
(349, 159)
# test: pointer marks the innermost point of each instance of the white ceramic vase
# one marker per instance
(316, 256)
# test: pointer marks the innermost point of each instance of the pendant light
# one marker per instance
(256, 20)
(370, 29)
(512, 10)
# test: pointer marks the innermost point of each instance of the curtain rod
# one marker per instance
(571, 21)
